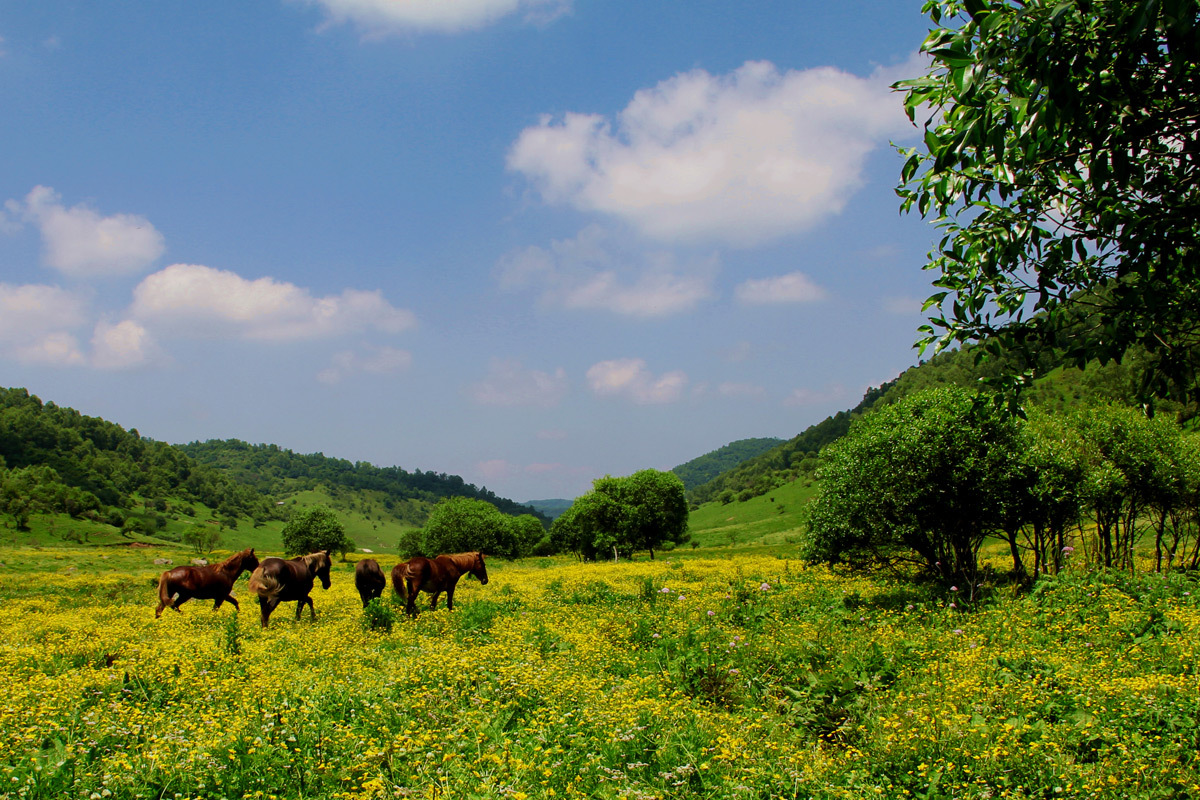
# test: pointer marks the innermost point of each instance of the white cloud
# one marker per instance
(202, 301)
(36, 323)
(740, 158)
(595, 271)
(903, 305)
(381, 17)
(125, 345)
(77, 241)
(629, 377)
(509, 384)
(795, 287)
(374, 361)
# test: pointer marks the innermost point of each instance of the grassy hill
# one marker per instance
(708, 466)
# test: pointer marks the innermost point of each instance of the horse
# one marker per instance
(435, 575)
(369, 580)
(276, 581)
(210, 582)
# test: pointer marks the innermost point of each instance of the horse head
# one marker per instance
(479, 569)
(249, 560)
(319, 564)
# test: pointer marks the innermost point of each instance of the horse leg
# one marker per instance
(227, 599)
(266, 607)
(180, 600)
(312, 609)
(410, 605)
(433, 605)
(232, 600)
(450, 599)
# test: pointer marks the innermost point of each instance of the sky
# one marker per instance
(527, 242)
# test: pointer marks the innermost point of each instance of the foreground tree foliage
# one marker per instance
(926, 480)
(1061, 159)
(922, 480)
(462, 524)
(643, 511)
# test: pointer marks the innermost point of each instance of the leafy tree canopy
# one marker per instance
(643, 511)
(1061, 160)
(461, 524)
(313, 529)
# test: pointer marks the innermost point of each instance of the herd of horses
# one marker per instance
(278, 580)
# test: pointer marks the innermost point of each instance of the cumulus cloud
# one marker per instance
(739, 158)
(795, 287)
(36, 324)
(125, 345)
(509, 384)
(382, 17)
(629, 377)
(373, 361)
(596, 271)
(197, 300)
(79, 242)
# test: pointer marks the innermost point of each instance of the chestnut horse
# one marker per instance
(435, 575)
(210, 582)
(276, 581)
(369, 580)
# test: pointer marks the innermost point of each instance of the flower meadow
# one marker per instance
(746, 677)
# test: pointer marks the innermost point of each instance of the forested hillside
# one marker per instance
(277, 471)
(708, 466)
(56, 460)
(1061, 386)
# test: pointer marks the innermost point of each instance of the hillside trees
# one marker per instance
(462, 524)
(313, 529)
(1061, 160)
(926, 479)
(643, 511)
(922, 480)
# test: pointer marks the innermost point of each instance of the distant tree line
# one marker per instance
(274, 470)
(703, 469)
(926, 480)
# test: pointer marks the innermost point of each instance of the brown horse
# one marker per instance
(369, 580)
(435, 575)
(210, 582)
(276, 581)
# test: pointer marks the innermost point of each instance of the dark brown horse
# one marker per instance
(435, 575)
(369, 580)
(210, 582)
(276, 581)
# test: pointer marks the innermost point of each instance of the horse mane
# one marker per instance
(235, 560)
(311, 558)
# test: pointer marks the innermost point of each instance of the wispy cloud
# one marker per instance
(384, 17)
(372, 361)
(629, 378)
(509, 384)
(596, 271)
(795, 287)
(738, 158)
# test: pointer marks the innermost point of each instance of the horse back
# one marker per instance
(198, 581)
(368, 575)
(287, 580)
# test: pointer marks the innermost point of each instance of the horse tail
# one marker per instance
(400, 580)
(265, 586)
(164, 592)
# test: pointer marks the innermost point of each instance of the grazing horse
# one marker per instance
(369, 580)
(276, 581)
(435, 575)
(210, 582)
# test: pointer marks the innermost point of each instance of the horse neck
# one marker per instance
(463, 562)
(233, 564)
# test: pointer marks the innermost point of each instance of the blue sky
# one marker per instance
(528, 242)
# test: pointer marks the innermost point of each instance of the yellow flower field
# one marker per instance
(676, 678)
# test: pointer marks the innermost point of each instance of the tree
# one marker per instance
(313, 529)
(639, 512)
(460, 524)
(1061, 160)
(922, 481)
